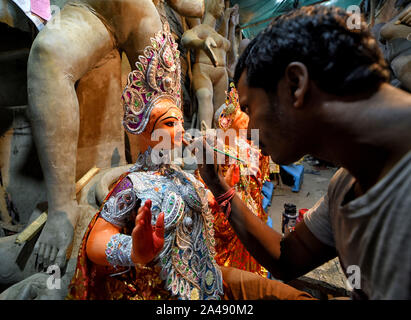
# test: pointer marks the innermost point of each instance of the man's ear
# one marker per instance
(296, 76)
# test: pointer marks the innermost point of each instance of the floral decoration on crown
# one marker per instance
(157, 76)
(232, 105)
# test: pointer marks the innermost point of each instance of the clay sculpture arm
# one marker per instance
(230, 17)
(190, 39)
(232, 54)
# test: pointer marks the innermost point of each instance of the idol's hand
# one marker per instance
(147, 243)
(235, 15)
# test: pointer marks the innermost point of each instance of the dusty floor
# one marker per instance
(327, 280)
(314, 186)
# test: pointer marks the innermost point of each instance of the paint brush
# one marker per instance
(186, 143)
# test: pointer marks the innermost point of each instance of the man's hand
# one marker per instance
(147, 243)
(207, 164)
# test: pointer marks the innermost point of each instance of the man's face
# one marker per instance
(272, 118)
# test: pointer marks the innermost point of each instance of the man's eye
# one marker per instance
(245, 109)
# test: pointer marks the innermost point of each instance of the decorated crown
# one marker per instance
(157, 76)
(232, 105)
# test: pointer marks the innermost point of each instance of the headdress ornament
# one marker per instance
(157, 76)
(232, 105)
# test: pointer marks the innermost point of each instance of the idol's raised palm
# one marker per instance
(147, 241)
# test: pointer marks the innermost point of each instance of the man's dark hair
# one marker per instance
(340, 61)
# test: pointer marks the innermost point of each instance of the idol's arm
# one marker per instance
(98, 239)
(193, 40)
(190, 39)
(145, 242)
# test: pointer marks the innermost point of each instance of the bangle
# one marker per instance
(224, 201)
(118, 250)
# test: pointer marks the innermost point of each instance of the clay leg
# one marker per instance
(58, 58)
(204, 93)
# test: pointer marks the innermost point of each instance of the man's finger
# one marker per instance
(229, 175)
(208, 141)
(197, 148)
(208, 155)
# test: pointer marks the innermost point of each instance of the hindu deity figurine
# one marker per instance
(117, 260)
(247, 177)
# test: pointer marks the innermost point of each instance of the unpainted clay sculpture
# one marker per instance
(210, 79)
(396, 35)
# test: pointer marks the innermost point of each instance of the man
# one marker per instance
(313, 86)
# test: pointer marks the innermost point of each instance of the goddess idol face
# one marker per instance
(166, 126)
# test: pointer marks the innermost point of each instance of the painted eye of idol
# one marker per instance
(166, 115)
(172, 119)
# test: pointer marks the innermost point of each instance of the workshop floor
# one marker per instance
(328, 280)
(313, 188)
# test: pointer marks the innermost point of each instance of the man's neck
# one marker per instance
(369, 136)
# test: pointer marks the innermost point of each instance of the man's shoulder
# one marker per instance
(339, 181)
